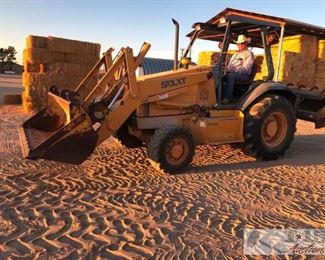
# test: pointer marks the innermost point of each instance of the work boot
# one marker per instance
(225, 101)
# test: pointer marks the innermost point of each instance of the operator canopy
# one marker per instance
(249, 23)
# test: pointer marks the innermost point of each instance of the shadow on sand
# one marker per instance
(306, 150)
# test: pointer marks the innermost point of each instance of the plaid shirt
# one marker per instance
(241, 62)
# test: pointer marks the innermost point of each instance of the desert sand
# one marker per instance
(117, 206)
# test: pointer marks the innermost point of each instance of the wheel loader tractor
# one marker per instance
(172, 112)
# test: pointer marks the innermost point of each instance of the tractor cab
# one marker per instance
(225, 28)
(264, 31)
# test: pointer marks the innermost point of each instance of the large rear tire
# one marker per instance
(172, 147)
(270, 125)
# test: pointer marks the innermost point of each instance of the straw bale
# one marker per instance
(212, 57)
(36, 55)
(73, 47)
(45, 81)
(32, 104)
(42, 55)
(320, 66)
(297, 62)
(34, 79)
(321, 49)
(31, 67)
(97, 50)
(36, 42)
(320, 83)
(320, 79)
(26, 96)
(58, 68)
(208, 57)
(320, 74)
(92, 49)
(297, 70)
(81, 59)
(64, 45)
(67, 68)
(27, 105)
(52, 61)
(300, 44)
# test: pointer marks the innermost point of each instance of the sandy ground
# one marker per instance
(10, 84)
(117, 206)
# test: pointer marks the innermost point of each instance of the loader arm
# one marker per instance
(75, 122)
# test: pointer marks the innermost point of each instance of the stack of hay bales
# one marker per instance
(55, 61)
(302, 62)
(208, 58)
(320, 66)
(212, 57)
(298, 60)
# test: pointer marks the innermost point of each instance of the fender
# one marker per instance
(254, 92)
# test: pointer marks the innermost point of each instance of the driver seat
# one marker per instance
(240, 89)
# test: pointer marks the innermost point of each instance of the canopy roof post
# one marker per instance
(279, 54)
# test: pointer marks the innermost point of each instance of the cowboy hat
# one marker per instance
(242, 38)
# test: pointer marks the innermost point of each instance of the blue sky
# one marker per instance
(114, 23)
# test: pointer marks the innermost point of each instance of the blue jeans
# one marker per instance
(230, 80)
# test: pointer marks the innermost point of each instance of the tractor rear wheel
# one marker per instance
(270, 125)
(172, 147)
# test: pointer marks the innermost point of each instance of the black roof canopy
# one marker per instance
(250, 23)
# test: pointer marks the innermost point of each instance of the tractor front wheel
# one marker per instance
(172, 147)
(127, 139)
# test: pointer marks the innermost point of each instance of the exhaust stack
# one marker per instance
(176, 43)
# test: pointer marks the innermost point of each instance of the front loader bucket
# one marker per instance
(61, 132)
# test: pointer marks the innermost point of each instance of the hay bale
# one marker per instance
(34, 79)
(303, 44)
(87, 60)
(97, 50)
(27, 106)
(320, 65)
(208, 58)
(68, 68)
(36, 42)
(73, 47)
(31, 67)
(321, 50)
(64, 45)
(42, 82)
(261, 73)
(58, 68)
(54, 61)
(36, 55)
(41, 55)
(297, 62)
(212, 57)
(30, 104)
(297, 70)
(320, 74)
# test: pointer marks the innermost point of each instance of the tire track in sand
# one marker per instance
(116, 206)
